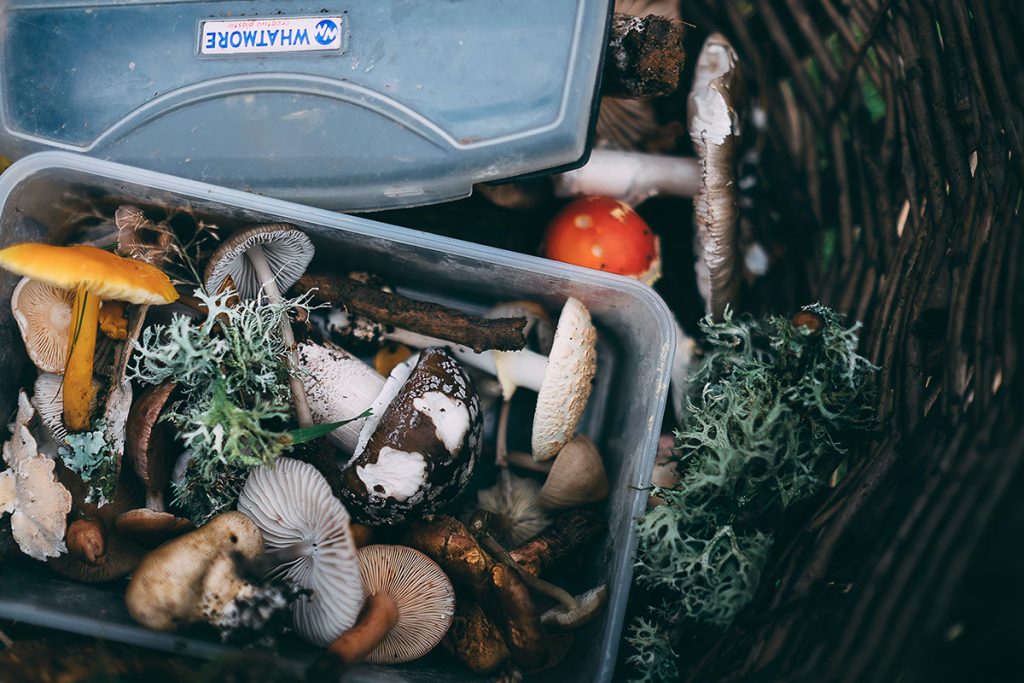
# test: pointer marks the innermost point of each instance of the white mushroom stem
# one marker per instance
(631, 176)
(262, 267)
(523, 368)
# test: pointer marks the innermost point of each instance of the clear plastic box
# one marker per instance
(638, 341)
(389, 103)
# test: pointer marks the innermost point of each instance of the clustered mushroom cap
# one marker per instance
(38, 503)
(419, 452)
(100, 272)
(287, 249)
(293, 506)
(421, 590)
(567, 383)
(43, 314)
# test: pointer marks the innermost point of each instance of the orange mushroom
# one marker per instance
(604, 234)
(94, 275)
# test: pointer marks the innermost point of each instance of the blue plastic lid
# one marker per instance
(355, 105)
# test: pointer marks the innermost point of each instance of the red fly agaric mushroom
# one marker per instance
(418, 448)
(714, 129)
(308, 538)
(604, 234)
(94, 275)
(267, 260)
(410, 603)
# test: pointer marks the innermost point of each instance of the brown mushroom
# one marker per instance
(577, 477)
(475, 639)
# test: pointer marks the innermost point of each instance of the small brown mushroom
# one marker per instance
(569, 533)
(475, 639)
(589, 605)
(149, 527)
(516, 506)
(148, 443)
(576, 478)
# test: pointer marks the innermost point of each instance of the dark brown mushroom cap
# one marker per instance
(150, 528)
(121, 558)
(148, 441)
(422, 450)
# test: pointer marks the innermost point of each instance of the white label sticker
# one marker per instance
(246, 36)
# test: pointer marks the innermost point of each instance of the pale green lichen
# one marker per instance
(767, 407)
(88, 455)
(232, 372)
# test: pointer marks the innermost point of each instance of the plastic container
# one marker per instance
(638, 340)
(384, 104)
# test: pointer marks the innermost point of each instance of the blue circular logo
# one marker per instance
(326, 32)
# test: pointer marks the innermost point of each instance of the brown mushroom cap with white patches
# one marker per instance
(339, 387)
(567, 383)
(43, 314)
(38, 503)
(577, 476)
(422, 592)
(419, 452)
(714, 130)
(300, 518)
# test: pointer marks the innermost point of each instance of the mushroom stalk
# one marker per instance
(82, 347)
(631, 176)
(491, 545)
(379, 617)
(262, 267)
(525, 368)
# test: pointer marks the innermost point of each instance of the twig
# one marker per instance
(5, 640)
(422, 317)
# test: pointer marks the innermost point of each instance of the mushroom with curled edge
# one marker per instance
(409, 607)
(267, 259)
(715, 129)
(37, 502)
(43, 314)
(94, 275)
(195, 577)
(418, 448)
(604, 234)
(577, 477)
(563, 379)
(309, 542)
(339, 386)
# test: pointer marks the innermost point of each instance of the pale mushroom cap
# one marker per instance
(43, 314)
(422, 592)
(577, 476)
(567, 382)
(288, 251)
(590, 605)
(293, 505)
(48, 400)
(100, 272)
(517, 507)
(339, 386)
(714, 129)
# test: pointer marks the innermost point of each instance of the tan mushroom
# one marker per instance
(148, 443)
(589, 605)
(516, 505)
(43, 314)
(577, 477)
(410, 604)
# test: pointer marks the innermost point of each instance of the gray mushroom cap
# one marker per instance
(421, 449)
(288, 251)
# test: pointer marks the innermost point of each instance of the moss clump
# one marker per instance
(768, 406)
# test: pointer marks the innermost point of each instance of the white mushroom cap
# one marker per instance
(339, 387)
(567, 381)
(48, 400)
(422, 592)
(577, 476)
(287, 249)
(714, 129)
(293, 506)
(38, 503)
(560, 618)
(43, 313)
